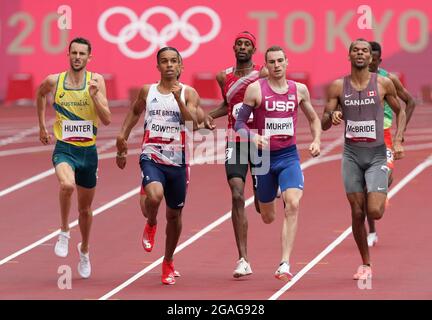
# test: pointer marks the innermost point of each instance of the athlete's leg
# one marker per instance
(155, 194)
(66, 177)
(238, 216)
(390, 164)
(236, 167)
(354, 182)
(376, 177)
(267, 186)
(256, 202)
(173, 231)
(143, 198)
(85, 199)
(358, 216)
(291, 198)
(175, 197)
(376, 205)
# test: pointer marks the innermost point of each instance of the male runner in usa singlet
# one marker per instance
(275, 102)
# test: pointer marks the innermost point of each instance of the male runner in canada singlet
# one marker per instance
(275, 102)
(233, 82)
(168, 104)
(361, 96)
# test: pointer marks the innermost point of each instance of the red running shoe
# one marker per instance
(168, 276)
(148, 237)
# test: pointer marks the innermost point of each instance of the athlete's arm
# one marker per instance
(44, 89)
(403, 93)
(222, 109)
(252, 99)
(132, 117)
(97, 91)
(391, 98)
(330, 115)
(311, 115)
(189, 109)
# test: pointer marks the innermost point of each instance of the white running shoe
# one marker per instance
(372, 239)
(62, 245)
(84, 267)
(243, 269)
(283, 272)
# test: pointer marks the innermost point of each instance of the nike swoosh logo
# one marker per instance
(268, 97)
(348, 95)
(380, 189)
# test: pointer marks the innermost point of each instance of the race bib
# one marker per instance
(165, 130)
(279, 126)
(77, 130)
(236, 110)
(361, 130)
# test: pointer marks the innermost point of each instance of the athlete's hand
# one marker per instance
(44, 136)
(336, 117)
(93, 87)
(121, 152)
(260, 141)
(398, 150)
(176, 90)
(121, 160)
(209, 122)
(314, 149)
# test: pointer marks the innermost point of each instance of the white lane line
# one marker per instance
(23, 134)
(211, 226)
(26, 182)
(71, 225)
(13, 152)
(188, 242)
(51, 171)
(218, 155)
(75, 222)
(416, 171)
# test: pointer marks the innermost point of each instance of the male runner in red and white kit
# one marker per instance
(233, 83)
(275, 102)
(167, 105)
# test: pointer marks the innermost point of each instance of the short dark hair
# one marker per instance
(168, 49)
(375, 47)
(81, 41)
(273, 49)
(359, 40)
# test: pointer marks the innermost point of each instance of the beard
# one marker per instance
(244, 59)
(77, 69)
(361, 66)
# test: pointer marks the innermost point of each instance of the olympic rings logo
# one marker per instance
(154, 37)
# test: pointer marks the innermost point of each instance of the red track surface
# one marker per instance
(401, 259)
